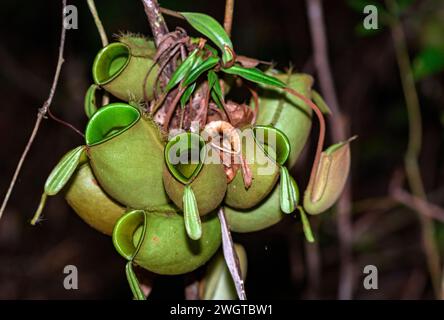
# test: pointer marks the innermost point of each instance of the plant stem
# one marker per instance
(228, 19)
(338, 132)
(172, 13)
(40, 115)
(160, 31)
(230, 256)
(98, 22)
(103, 37)
(155, 19)
(414, 146)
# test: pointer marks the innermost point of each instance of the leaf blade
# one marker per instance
(63, 171)
(254, 75)
(182, 70)
(215, 88)
(187, 94)
(306, 226)
(212, 29)
(199, 69)
(289, 192)
(193, 224)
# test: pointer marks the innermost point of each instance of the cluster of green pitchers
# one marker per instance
(163, 215)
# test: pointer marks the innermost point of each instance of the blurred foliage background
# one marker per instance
(385, 233)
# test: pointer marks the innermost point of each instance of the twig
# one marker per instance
(103, 37)
(98, 22)
(172, 13)
(160, 30)
(414, 146)
(228, 19)
(231, 257)
(155, 18)
(338, 132)
(416, 203)
(40, 114)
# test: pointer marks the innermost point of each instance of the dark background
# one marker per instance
(370, 94)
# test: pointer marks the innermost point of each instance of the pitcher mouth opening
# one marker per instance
(110, 121)
(128, 233)
(273, 139)
(110, 62)
(184, 157)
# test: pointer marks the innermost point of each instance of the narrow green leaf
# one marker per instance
(216, 99)
(215, 84)
(63, 171)
(187, 94)
(90, 100)
(289, 192)
(199, 69)
(58, 177)
(182, 70)
(133, 282)
(212, 29)
(306, 225)
(193, 224)
(216, 90)
(320, 102)
(212, 79)
(254, 75)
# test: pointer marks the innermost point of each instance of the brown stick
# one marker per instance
(172, 108)
(155, 19)
(98, 22)
(414, 148)
(40, 115)
(159, 29)
(228, 19)
(103, 36)
(231, 257)
(172, 13)
(418, 204)
(338, 132)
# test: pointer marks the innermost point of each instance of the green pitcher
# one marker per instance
(262, 216)
(158, 242)
(288, 113)
(264, 170)
(125, 149)
(91, 203)
(189, 178)
(126, 69)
